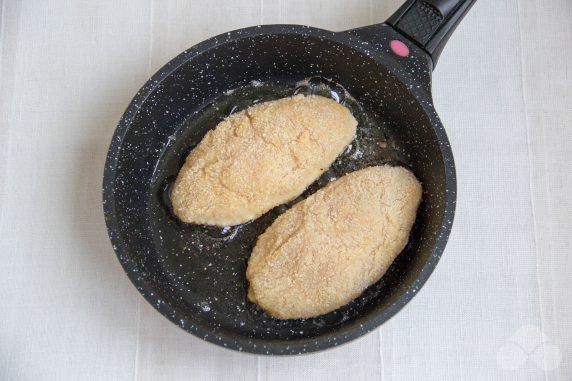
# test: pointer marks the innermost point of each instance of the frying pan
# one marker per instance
(195, 275)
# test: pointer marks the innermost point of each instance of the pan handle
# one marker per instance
(430, 23)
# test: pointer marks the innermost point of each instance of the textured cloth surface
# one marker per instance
(499, 304)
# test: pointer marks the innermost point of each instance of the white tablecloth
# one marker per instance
(499, 305)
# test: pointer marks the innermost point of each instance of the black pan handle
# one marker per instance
(430, 23)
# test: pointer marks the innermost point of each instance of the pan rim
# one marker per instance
(299, 345)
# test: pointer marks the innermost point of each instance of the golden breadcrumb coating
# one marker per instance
(326, 250)
(259, 158)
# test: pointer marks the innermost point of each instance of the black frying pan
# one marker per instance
(195, 275)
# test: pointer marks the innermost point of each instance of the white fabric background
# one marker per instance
(503, 88)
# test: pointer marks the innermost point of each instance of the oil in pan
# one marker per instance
(213, 259)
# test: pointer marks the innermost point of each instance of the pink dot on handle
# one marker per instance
(399, 48)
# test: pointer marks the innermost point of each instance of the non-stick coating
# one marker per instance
(203, 290)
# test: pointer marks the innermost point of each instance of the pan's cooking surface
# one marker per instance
(206, 265)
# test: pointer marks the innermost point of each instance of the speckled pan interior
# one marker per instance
(195, 275)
